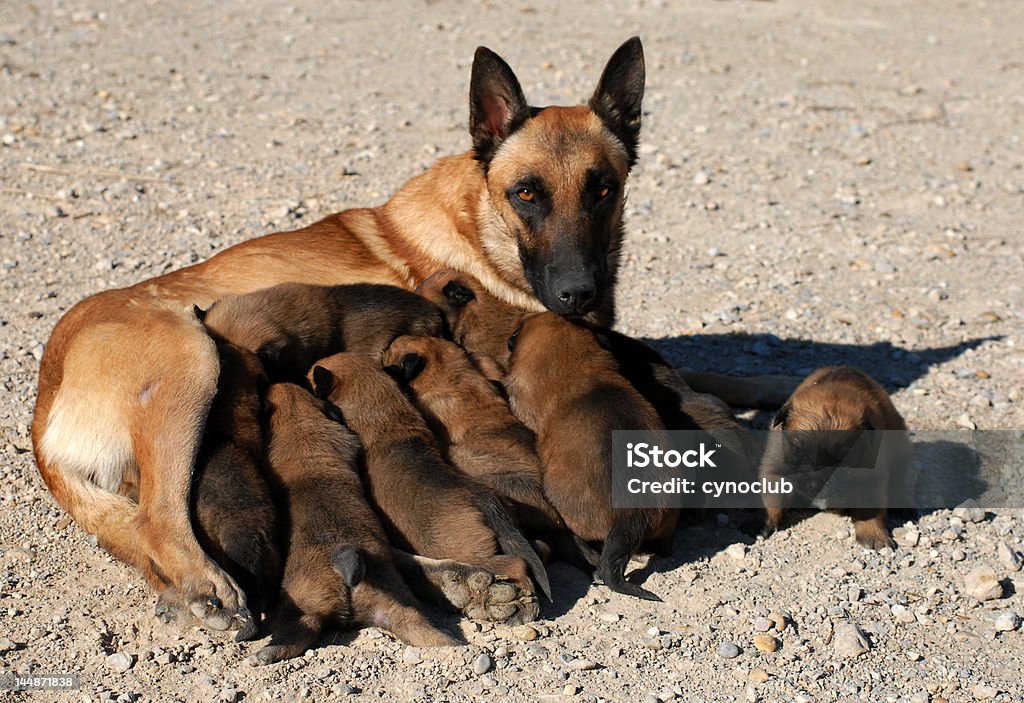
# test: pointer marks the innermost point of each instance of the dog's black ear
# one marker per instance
(781, 418)
(200, 313)
(348, 562)
(620, 92)
(407, 368)
(323, 382)
(496, 103)
(457, 294)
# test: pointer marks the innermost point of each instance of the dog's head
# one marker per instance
(556, 176)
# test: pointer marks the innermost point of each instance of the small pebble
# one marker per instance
(412, 656)
(982, 584)
(120, 662)
(482, 664)
(728, 650)
(525, 633)
(850, 641)
(1009, 557)
(766, 643)
(229, 695)
(1007, 621)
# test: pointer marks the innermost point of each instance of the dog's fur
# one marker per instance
(232, 512)
(566, 386)
(427, 506)
(339, 569)
(475, 427)
(128, 375)
(824, 416)
(291, 325)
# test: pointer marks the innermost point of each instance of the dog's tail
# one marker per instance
(511, 539)
(627, 534)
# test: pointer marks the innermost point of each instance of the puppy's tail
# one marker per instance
(511, 539)
(627, 534)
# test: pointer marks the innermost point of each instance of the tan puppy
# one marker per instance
(339, 569)
(566, 386)
(291, 325)
(474, 425)
(823, 421)
(428, 507)
(233, 513)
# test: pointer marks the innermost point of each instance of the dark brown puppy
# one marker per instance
(475, 428)
(482, 324)
(232, 513)
(566, 386)
(291, 325)
(823, 421)
(428, 506)
(339, 569)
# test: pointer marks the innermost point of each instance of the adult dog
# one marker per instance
(533, 211)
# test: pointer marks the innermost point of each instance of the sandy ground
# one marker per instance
(819, 182)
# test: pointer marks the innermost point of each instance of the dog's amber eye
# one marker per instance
(603, 193)
(526, 195)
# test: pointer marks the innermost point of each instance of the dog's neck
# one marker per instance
(446, 214)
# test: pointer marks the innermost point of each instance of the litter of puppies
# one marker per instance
(369, 447)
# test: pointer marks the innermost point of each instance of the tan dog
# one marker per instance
(339, 569)
(233, 513)
(819, 427)
(428, 507)
(533, 211)
(474, 425)
(291, 325)
(565, 386)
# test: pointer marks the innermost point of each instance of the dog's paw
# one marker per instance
(482, 596)
(202, 599)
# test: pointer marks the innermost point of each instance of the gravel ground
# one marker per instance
(819, 182)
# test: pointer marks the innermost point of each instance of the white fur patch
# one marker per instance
(89, 440)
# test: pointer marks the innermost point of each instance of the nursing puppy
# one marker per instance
(429, 508)
(820, 428)
(475, 427)
(565, 385)
(291, 325)
(339, 569)
(233, 513)
(482, 324)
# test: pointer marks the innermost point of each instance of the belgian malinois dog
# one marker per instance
(533, 210)
(339, 570)
(836, 418)
(427, 506)
(565, 385)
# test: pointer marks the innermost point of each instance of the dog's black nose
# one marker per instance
(576, 293)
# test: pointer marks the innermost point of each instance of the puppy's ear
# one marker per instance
(457, 294)
(323, 382)
(333, 413)
(407, 368)
(620, 92)
(199, 313)
(348, 562)
(487, 366)
(496, 103)
(781, 418)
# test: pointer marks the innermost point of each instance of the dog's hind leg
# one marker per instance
(166, 421)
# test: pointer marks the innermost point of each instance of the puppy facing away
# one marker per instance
(291, 325)
(565, 385)
(339, 570)
(823, 423)
(428, 506)
(232, 512)
(475, 427)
